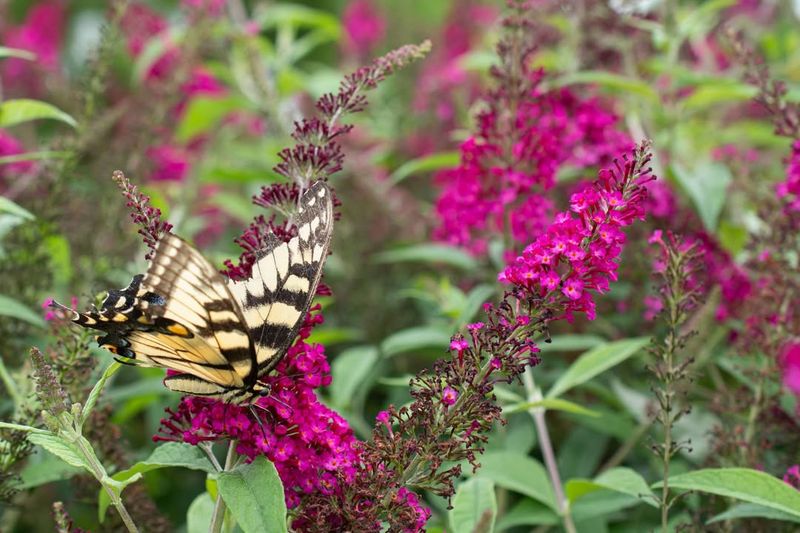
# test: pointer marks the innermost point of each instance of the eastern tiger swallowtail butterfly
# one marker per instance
(220, 336)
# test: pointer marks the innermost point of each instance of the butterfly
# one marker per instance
(220, 337)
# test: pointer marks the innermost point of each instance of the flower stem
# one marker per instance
(99, 472)
(218, 518)
(535, 395)
(8, 383)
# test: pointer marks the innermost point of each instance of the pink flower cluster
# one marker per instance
(307, 441)
(792, 476)
(364, 27)
(171, 160)
(789, 190)
(40, 33)
(444, 84)
(493, 192)
(790, 364)
(578, 252)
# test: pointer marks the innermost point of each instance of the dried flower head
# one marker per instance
(142, 213)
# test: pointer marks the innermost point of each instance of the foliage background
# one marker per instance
(196, 113)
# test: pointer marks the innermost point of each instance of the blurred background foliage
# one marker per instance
(193, 102)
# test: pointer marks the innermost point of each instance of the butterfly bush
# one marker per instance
(364, 27)
(307, 441)
(421, 445)
(171, 159)
(444, 83)
(312, 446)
(577, 254)
(41, 34)
(524, 137)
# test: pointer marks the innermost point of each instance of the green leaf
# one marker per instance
(715, 93)
(596, 361)
(23, 110)
(295, 15)
(601, 503)
(199, 514)
(622, 480)
(474, 507)
(571, 343)
(34, 156)
(44, 468)
(528, 513)
(747, 485)
(706, 184)
(7, 206)
(254, 494)
(204, 113)
(428, 253)
(94, 395)
(409, 340)
(520, 473)
(426, 163)
(169, 454)
(473, 302)
(614, 83)
(555, 404)
(16, 52)
(58, 249)
(18, 310)
(752, 510)
(66, 451)
(349, 370)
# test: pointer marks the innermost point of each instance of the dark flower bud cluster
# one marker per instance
(316, 155)
(142, 213)
(48, 389)
(415, 446)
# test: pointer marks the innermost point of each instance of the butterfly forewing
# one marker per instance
(285, 276)
(198, 298)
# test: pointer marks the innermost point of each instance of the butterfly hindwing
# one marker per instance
(285, 276)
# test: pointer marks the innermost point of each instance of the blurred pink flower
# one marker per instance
(790, 362)
(204, 7)
(493, 192)
(170, 162)
(792, 476)
(139, 24)
(41, 33)
(789, 189)
(9, 145)
(364, 27)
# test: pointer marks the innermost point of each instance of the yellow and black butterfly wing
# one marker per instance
(181, 316)
(197, 298)
(285, 276)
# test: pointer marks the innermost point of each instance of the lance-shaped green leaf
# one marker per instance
(21, 110)
(596, 361)
(623, 480)
(747, 485)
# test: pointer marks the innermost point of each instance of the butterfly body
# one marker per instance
(219, 337)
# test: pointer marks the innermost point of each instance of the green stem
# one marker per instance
(218, 518)
(20, 427)
(535, 395)
(9, 384)
(626, 447)
(100, 474)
